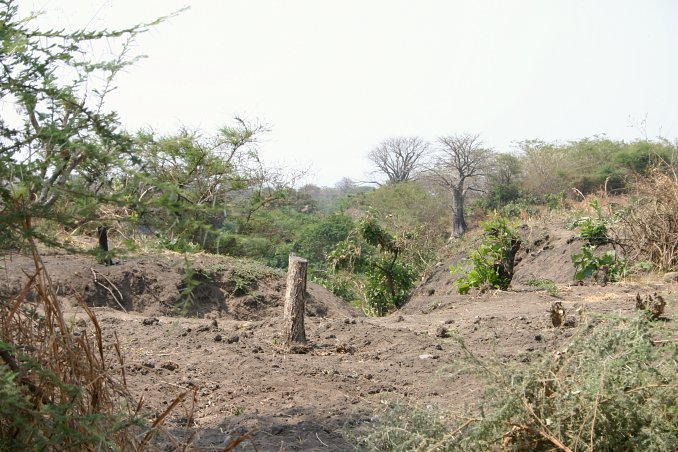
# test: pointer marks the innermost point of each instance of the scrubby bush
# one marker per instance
(650, 223)
(491, 264)
(612, 388)
(374, 256)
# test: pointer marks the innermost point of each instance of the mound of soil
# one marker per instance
(205, 286)
(545, 254)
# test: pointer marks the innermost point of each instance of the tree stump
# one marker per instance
(295, 303)
(102, 232)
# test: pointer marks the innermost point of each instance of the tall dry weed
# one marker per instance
(650, 223)
(60, 388)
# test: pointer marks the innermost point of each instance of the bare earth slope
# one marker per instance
(226, 346)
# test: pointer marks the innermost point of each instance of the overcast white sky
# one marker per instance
(334, 78)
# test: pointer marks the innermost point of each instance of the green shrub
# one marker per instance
(491, 263)
(374, 256)
(406, 428)
(587, 264)
(544, 284)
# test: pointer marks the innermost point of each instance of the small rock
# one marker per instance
(169, 365)
(439, 347)
(671, 277)
(215, 324)
(149, 364)
(400, 318)
(331, 336)
(449, 321)
(426, 356)
(538, 337)
(477, 320)
(203, 328)
(217, 338)
(150, 321)
(344, 348)
(441, 331)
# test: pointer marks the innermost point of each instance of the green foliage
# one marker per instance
(544, 284)
(374, 254)
(610, 390)
(595, 233)
(406, 428)
(388, 285)
(57, 156)
(340, 285)
(177, 244)
(191, 278)
(317, 240)
(588, 165)
(490, 263)
(554, 201)
(201, 190)
(413, 209)
(587, 264)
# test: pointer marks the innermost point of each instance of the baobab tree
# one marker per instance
(399, 158)
(460, 166)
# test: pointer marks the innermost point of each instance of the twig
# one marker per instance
(556, 442)
(160, 419)
(595, 407)
(96, 281)
(664, 341)
(235, 442)
(321, 441)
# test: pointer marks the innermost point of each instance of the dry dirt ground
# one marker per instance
(224, 344)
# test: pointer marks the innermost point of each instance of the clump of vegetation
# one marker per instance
(544, 284)
(59, 388)
(612, 388)
(406, 428)
(375, 253)
(245, 274)
(604, 268)
(491, 264)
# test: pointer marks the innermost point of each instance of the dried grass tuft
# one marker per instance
(60, 388)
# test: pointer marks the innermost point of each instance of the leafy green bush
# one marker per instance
(491, 263)
(587, 264)
(374, 255)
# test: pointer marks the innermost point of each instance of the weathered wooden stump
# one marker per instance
(295, 303)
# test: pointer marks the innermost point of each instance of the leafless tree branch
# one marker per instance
(399, 158)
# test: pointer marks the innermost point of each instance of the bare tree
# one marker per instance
(399, 158)
(460, 166)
